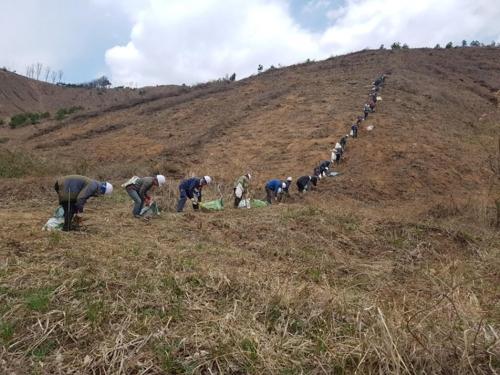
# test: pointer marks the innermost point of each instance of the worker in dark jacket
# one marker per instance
(138, 189)
(343, 141)
(366, 110)
(324, 166)
(191, 188)
(305, 183)
(74, 191)
(274, 190)
(354, 130)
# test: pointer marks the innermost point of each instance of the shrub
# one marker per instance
(475, 43)
(63, 112)
(464, 43)
(23, 119)
(405, 46)
(449, 45)
(396, 45)
(437, 46)
(17, 121)
(1, 122)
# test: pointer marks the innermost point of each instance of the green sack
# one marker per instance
(151, 210)
(256, 203)
(217, 205)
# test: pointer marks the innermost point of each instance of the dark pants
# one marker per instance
(366, 115)
(303, 187)
(138, 202)
(236, 199)
(182, 201)
(355, 133)
(270, 194)
(69, 213)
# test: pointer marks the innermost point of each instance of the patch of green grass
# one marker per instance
(166, 354)
(63, 112)
(54, 238)
(44, 349)
(249, 346)
(314, 274)
(38, 300)
(6, 332)
(23, 119)
(170, 283)
(95, 312)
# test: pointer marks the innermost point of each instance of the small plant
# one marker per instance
(38, 300)
(44, 349)
(23, 119)
(1, 122)
(63, 112)
(95, 312)
(6, 332)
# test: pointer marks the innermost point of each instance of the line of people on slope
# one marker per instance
(74, 190)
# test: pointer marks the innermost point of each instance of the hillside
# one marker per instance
(393, 267)
(19, 94)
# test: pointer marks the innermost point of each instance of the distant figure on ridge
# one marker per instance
(74, 191)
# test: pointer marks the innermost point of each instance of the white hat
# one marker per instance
(289, 179)
(283, 185)
(208, 179)
(109, 189)
(161, 179)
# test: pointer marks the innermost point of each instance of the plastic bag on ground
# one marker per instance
(56, 222)
(379, 98)
(151, 210)
(333, 174)
(252, 203)
(217, 205)
(369, 128)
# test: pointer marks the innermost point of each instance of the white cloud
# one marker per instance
(175, 41)
(419, 23)
(191, 41)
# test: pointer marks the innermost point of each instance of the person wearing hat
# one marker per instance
(191, 188)
(288, 182)
(354, 130)
(240, 190)
(305, 183)
(343, 141)
(138, 188)
(366, 110)
(324, 166)
(74, 191)
(274, 190)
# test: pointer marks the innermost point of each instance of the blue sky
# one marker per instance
(148, 42)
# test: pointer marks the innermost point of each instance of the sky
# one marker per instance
(149, 42)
